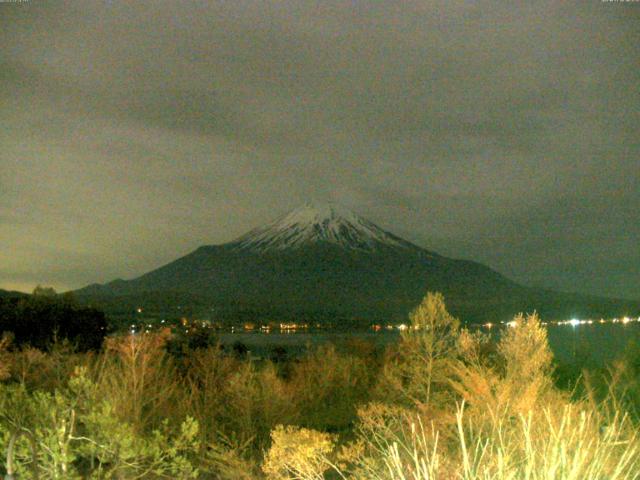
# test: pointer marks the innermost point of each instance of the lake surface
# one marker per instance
(595, 343)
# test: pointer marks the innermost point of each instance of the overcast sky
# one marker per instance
(133, 132)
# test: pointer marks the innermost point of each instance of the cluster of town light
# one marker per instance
(283, 327)
(146, 328)
(574, 322)
(293, 327)
(513, 323)
(401, 326)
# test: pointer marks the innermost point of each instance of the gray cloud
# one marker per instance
(136, 131)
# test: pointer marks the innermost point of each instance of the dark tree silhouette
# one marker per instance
(39, 320)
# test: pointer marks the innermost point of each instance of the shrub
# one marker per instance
(327, 387)
(517, 380)
(137, 376)
(298, 453)
(78, 434)
(560, 442)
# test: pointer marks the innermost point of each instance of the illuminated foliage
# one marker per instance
(443, 403)
(418, 375)
(298, 453)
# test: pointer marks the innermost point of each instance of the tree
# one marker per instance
(40, 319)
(45, 292)
(425, 354)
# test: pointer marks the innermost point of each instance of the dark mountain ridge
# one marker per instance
(11, 294)
(326, 263)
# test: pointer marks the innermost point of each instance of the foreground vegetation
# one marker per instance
(442, 404)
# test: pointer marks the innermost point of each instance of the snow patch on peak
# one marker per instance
(317, 223)
(316, 214)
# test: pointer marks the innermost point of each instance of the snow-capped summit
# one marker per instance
(317, 223)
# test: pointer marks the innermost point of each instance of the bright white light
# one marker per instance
(512, 324)
(573, 322)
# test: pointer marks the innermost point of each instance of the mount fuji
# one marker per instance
(326, 264)
(324, 223)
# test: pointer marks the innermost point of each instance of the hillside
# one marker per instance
(326, 263)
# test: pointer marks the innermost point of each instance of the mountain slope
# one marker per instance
(12, 294)
(328, 264)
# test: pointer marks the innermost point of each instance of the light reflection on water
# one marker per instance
(595, 343)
